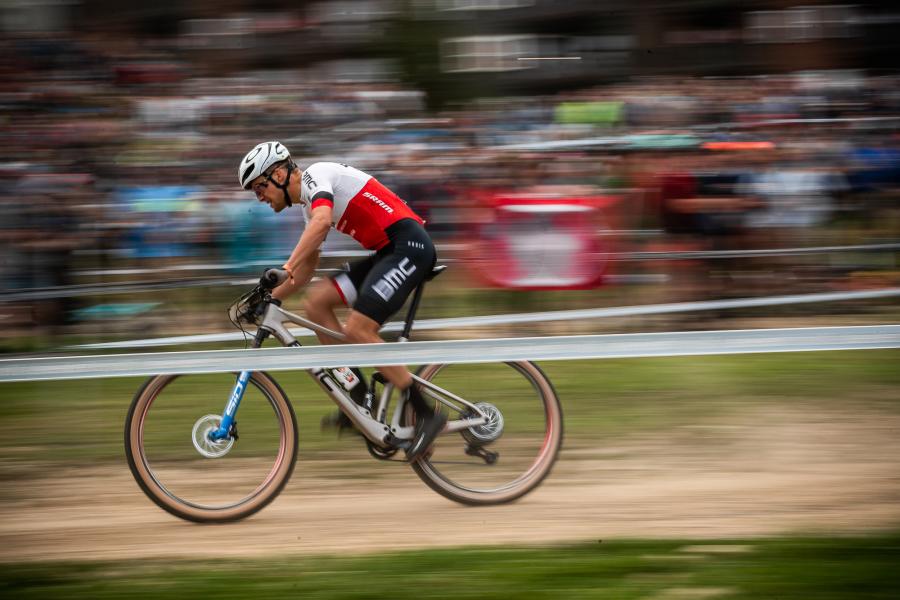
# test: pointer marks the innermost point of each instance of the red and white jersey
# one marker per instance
(361, 207)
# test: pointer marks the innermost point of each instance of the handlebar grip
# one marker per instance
(272, 278)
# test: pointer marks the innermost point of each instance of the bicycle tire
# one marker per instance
(157, 491)
(429, 468)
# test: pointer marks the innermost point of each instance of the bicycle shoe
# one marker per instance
(338, 421)
(427, 430)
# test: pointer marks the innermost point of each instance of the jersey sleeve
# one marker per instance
(319, 187)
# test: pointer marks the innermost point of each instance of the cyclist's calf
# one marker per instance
(360, 329)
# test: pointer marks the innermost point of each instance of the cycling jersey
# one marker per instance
(361, 206)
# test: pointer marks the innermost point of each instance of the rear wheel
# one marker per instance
(193, 477)
(511, 453)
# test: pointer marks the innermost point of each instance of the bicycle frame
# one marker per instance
(373, 426)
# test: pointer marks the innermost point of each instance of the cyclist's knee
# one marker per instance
(360, 329)
(312, 307)
(321, 300)
(357, 335)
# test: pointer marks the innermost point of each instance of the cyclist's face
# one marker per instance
(268, 193)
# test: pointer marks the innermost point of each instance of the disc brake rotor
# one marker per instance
(201, 437)
(490, 430)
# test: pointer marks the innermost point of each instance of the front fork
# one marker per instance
(225, 429)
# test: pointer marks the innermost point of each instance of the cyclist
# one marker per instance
(355, 203)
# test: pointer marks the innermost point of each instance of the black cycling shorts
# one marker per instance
(378, 285)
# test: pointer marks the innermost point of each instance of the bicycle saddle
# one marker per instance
(437, 270)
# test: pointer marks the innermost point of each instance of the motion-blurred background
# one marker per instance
(567, 154)
(564, 153)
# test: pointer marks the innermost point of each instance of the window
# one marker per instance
(487, 53)
(802, 24)
(218, 34)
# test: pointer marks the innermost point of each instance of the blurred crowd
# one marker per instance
(117, 154)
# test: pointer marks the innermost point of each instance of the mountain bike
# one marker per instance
(190, 456)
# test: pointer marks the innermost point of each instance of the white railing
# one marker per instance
(463, 351)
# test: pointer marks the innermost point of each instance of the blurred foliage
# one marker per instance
(414, 45)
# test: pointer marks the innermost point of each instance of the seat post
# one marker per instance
(411, 313)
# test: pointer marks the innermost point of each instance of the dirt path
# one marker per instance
(810, 473)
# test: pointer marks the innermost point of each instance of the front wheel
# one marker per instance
(509, 455)
(194, 477)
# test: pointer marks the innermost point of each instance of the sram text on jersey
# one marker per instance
(378, 201)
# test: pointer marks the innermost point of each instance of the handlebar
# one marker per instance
(251, 306)
(272, 278)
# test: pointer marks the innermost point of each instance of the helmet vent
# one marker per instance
(247, 172)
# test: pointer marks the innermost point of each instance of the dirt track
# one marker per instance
(810, 473)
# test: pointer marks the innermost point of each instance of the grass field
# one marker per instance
(779, 569)
(80, 423)
(82, 420)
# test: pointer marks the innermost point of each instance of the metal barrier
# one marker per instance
(464, 351)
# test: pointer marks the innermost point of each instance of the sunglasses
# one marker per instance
(259, 187)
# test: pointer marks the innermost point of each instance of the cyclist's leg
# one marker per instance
(386, 287)
(361, 329)
(319, 304)
(324, 296)
(396, 273)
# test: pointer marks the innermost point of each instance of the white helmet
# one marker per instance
(259, 160)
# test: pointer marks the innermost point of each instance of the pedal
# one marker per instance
(396, 442)
(487, 456)
(339, 423)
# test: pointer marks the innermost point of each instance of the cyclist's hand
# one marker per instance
(272, 278)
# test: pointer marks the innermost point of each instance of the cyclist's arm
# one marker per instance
(305, 257)
(302, 275)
